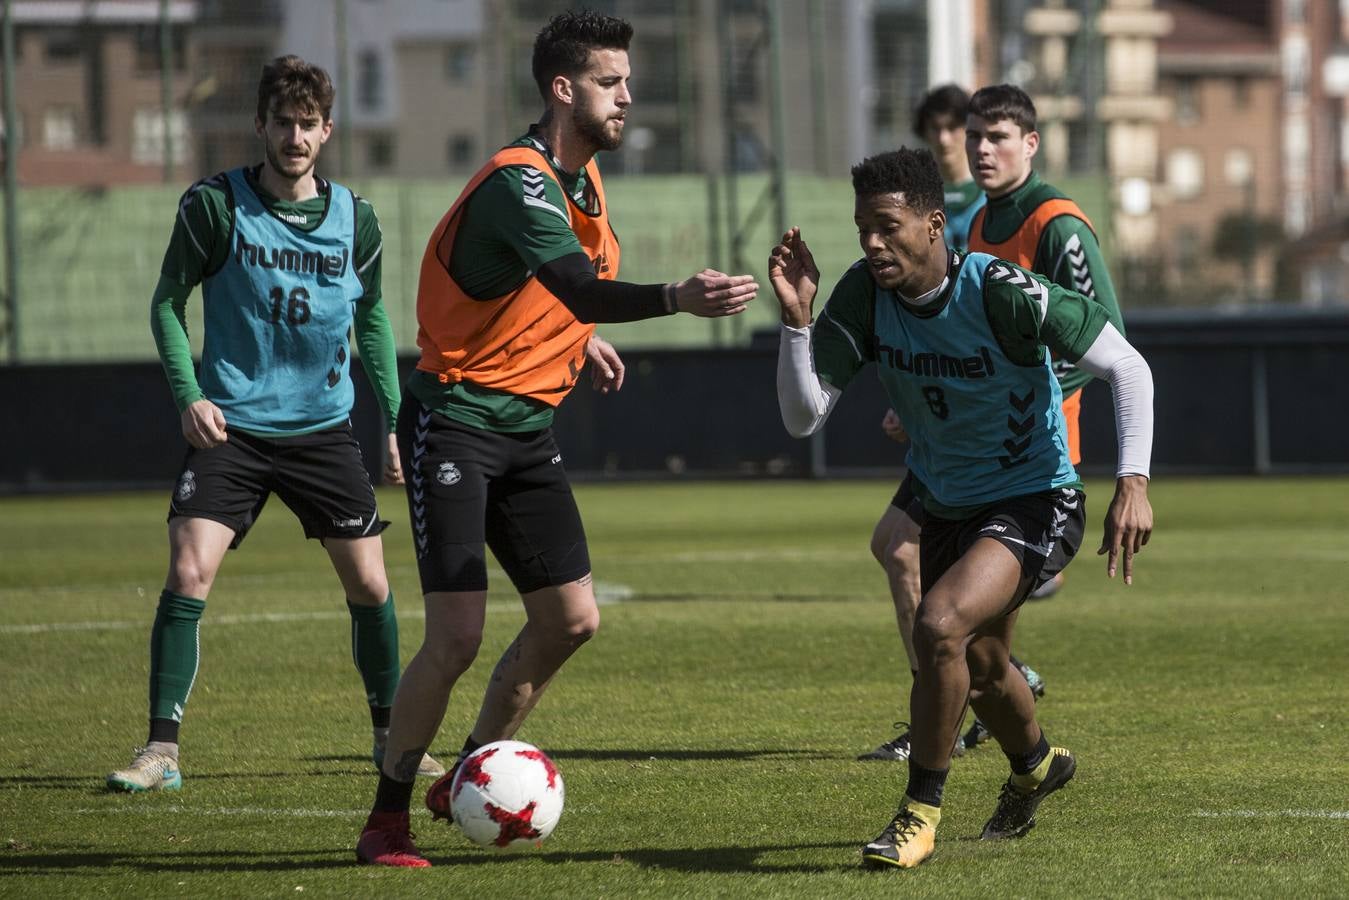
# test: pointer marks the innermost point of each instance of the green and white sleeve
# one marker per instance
(815, 363)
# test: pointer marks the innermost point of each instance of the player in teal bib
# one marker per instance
(962, 346)
(963, 200)
(288, 264)
(982, 425)
(276, 358)
(939, 119)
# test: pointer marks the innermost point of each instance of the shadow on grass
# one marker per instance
(94, 783)
(719, 754)
(682, 859)
(50, 781)
(630, 755)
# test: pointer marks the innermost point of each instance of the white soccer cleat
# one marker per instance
(428, 768)
(149, 771)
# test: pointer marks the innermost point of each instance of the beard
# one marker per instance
(596, 129)
(285, 166)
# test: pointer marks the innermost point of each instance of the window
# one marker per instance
(379, 153)
(460, 151)
(658, 81)
(1296, 65)
(147, 135)
(60, 128)
(1238, 166)
(369, 81)
(1187, 101)
(746, 62)
(1187, 246)
(459, 59)
(147, 48)
(1185, 173)
(63, 45)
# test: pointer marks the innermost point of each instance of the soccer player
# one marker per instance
(962, 346)
(939, 120)
(513, 279)
(1032, 224)
(287, 263)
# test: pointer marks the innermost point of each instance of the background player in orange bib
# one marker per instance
(1033, 224)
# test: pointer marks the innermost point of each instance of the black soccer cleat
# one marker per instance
(976, 735)
(1015, 814)
(894, 750)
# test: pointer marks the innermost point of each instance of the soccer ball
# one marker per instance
(507, 796)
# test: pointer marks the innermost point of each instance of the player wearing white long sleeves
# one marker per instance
(962, 344)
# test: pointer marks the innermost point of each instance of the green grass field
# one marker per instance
(707, 734)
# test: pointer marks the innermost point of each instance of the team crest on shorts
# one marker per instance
(187, 485)
(448, 474)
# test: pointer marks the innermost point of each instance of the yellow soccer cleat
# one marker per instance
(907, 840)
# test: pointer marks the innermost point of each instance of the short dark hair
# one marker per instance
(946, 100)
(1004, 101)
(563, 45)
(289, 79)
(913, 173)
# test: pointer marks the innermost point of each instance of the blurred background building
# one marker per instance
(1206, 138)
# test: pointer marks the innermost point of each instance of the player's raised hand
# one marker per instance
(606, 368)
(1128, 524)
(893, 427)
(711, 294)
(204, 424)
(795, 278)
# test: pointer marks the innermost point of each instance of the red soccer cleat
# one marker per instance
(387, 841)
(440, 795)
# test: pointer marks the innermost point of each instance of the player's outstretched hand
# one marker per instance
(606, 368)
(712, 294)
(1128, 524)
(893, 427)
(203, 424)
(393, 464)
(795, 278)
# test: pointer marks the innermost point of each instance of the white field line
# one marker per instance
(605, 595)
(258, 811)
(1272, 814)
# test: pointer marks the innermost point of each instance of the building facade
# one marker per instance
(90, 93)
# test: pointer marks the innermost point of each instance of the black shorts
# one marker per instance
(905, 499)
(1043, 531)
(468, 487)
(320, 476)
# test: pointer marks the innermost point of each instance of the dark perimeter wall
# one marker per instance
(1256, 393)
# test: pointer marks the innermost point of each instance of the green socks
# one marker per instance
(174, 649)
(374, 650)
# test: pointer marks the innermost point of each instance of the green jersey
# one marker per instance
(1066, 253)
(967, 373)
(199, 247)
(508, 229)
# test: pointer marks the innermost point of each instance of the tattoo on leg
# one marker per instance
(406, 767)
(512, 654)
(585, 580)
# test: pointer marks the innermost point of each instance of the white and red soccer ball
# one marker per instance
(507, 796)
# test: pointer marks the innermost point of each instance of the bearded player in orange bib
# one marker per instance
(513, 280)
